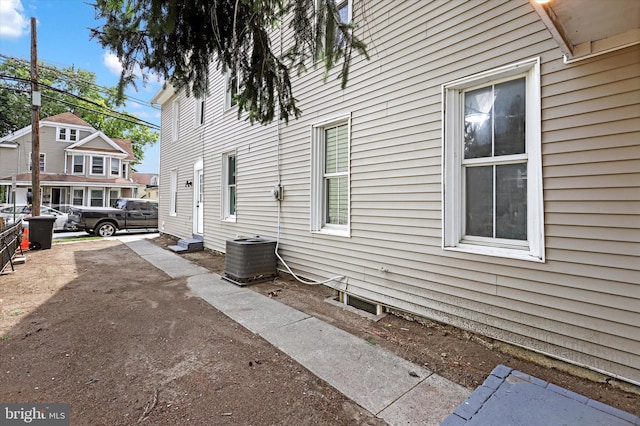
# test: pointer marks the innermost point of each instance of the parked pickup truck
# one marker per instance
(126, 213)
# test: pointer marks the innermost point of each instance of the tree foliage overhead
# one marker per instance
(63, 90)
(179, 39)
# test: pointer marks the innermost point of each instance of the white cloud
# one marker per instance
(111, 61)
(13, 21)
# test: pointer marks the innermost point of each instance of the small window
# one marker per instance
(114, 194)
(173, 201)
(330, 196)
(229, 181)
(231, 91)
(345, 14)
(199, 112)
(115, 167)
(78, 164)
(78, 197)
(175, 122)
(97, 165)
(96, 198)
(42, 162)
(65, 134)
(125, 170)
(492, 166)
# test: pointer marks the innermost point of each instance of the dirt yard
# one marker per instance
(128, 345)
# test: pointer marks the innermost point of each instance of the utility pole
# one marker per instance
(35, 123)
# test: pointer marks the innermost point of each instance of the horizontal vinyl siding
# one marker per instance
(580, 305)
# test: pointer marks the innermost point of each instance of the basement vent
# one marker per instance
(361, 304)
(250, 260)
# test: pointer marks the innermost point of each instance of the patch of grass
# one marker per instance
(5, 337)
(371, 341)
(16, 312)
(66, 240)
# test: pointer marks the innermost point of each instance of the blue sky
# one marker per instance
(63, 40)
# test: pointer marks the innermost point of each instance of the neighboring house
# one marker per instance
(79, 165)
(481, 169)
(147, 185)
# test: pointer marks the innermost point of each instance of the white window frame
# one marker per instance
(73, 190)
(111, 199)
(111, 164)
(90, 196)
(200, 111)
(228, 95)
(42, 162)
(125, 169)
(173, 194)
(453, 188)
(104, 165)
(226, 214)
(318, 188)
(175, 120)
(73, 164)
(66, 137)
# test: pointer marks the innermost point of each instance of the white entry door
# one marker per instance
(198, 207)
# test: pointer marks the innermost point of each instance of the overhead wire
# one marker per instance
(128, 117)
(77, 78)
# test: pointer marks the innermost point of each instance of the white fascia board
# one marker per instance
(96, 135)
(164, 94)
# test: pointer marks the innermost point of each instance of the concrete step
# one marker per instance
(187, 245)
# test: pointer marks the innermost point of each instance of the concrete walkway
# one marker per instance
(390, 387)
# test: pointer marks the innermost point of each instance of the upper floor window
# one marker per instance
(66, 134)
(78, 164)
(330, 177)
(115, 167)
(492, 165)
(229, 195)
(97, 165)
(125, 170)
(42, 162)
(199, 112)
(231, 90)
(175, 121)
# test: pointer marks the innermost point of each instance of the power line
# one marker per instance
(130, 117)
(77, 78)
(150, 125)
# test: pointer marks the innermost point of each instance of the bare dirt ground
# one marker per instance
(129, 344)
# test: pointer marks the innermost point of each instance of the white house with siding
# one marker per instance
(481, 169)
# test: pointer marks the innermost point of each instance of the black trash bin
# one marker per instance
(40, 231)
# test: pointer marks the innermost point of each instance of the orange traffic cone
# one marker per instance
(24, 244)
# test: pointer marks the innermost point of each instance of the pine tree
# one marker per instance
(179, 39)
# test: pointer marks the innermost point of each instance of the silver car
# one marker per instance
(22, 211)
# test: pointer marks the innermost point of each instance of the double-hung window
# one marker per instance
(78, 164)
(229, 195)
(77, 198)
(97, 165)
(96, 197)
(492, 186)
(330, 177)
(115, 167)
(41, 163)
